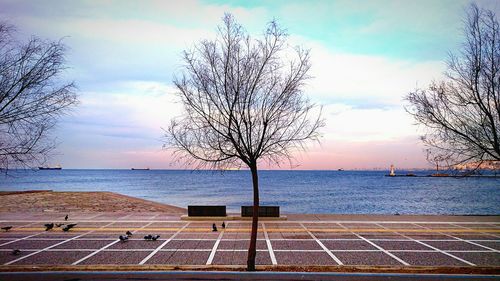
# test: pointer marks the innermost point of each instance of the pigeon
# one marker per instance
(223, 225)
(59, 224)
(154, 238)
(214, 227)
(123, 238)
(128, 233)
(16, 252)
(66, 217)
(48, 226)
(148, 237)
(6, 228)
(69, 226)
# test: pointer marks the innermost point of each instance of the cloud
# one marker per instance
(123, 55)
(366, 79)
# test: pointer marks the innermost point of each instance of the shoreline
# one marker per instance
(48, 201)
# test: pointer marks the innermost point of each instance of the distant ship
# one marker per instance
(140, 169)
(340, 170)
(58, 167)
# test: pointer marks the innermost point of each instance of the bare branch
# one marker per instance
(462, 113)
(242, 100)
(31, 97)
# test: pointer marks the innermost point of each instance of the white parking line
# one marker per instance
(269, 246)
(377, 246)
(163, 244)
(488, 234)
(106, 246)
(339, 262)
(279, 222)
(383, 250)
(49, 247)
(439, 250)
(434, 248)
(92, 217)
(466, 241)
(214, 248)
(19, 239)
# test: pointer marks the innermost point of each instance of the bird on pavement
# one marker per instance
(16, 252)
(128, 233)
(223, 225)
(59, 224)
(148, 237)
(48, 226)
(214, 227)
(6, 228)
(154, 238)
(123, 238)
(66, 217)
(69, 226)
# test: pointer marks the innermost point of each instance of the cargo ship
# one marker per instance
(58, 167)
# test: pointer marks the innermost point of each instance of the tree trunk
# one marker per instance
(255, 220)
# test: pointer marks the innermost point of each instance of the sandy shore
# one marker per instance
(51, 201)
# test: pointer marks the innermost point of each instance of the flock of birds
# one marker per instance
(67, 227)
(48, 226)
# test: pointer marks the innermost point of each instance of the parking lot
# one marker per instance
(94, 241)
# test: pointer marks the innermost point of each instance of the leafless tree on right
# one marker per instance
(462, 113)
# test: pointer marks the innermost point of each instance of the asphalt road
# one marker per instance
(197, 275)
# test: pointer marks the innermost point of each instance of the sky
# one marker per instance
(366, 56)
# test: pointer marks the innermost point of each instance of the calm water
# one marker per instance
(295, 191)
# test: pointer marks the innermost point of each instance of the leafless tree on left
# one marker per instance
(32, 97)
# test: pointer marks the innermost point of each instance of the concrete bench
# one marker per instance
(206, 211)
(264, 211)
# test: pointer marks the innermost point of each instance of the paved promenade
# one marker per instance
(303, 240)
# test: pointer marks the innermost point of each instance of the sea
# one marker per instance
(295, 191)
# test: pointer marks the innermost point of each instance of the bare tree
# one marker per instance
(243, 105)
(462, 113)
(31, 97)
(437, 159)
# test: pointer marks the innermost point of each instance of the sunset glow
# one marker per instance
(365, 59)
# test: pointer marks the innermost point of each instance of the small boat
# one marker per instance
(58, 167)
(140, 169)
(340, 170)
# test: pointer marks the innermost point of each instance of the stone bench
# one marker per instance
(264, 211)
(206, 211)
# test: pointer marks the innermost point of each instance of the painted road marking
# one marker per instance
(496, 236)
(103, 248)
(339, 262)
(163, 244)
(7, 243)
(378, 247)
(214, 248)
(194, 230)
(439, 250)
(286, 222)
(466, 241)
(269, 246)
(52, 246)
